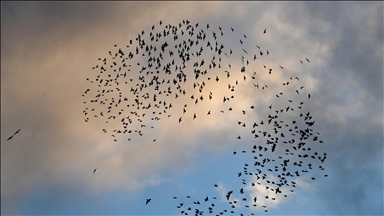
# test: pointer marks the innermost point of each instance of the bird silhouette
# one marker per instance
(13, 134)
(147, 201)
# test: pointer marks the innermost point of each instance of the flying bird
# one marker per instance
(14, 134)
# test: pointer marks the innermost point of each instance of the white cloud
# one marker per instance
(260, 191)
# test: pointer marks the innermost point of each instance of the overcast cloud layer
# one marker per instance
(49, 48)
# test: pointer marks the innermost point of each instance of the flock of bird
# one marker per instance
(150, 80)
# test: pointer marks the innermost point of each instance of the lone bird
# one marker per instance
(148, 200)
(94, 171)
(14, 134)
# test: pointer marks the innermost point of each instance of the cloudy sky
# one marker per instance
(48, 50)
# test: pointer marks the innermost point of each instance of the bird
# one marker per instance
(265, 31)
(147, 201)
(14, 134)
(94, 171)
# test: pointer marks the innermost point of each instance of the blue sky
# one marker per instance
(48, 50)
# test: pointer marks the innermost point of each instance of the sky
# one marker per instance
(48, 50)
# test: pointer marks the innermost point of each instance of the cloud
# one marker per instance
(48, 50)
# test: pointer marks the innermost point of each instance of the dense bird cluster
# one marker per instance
(165, 75)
